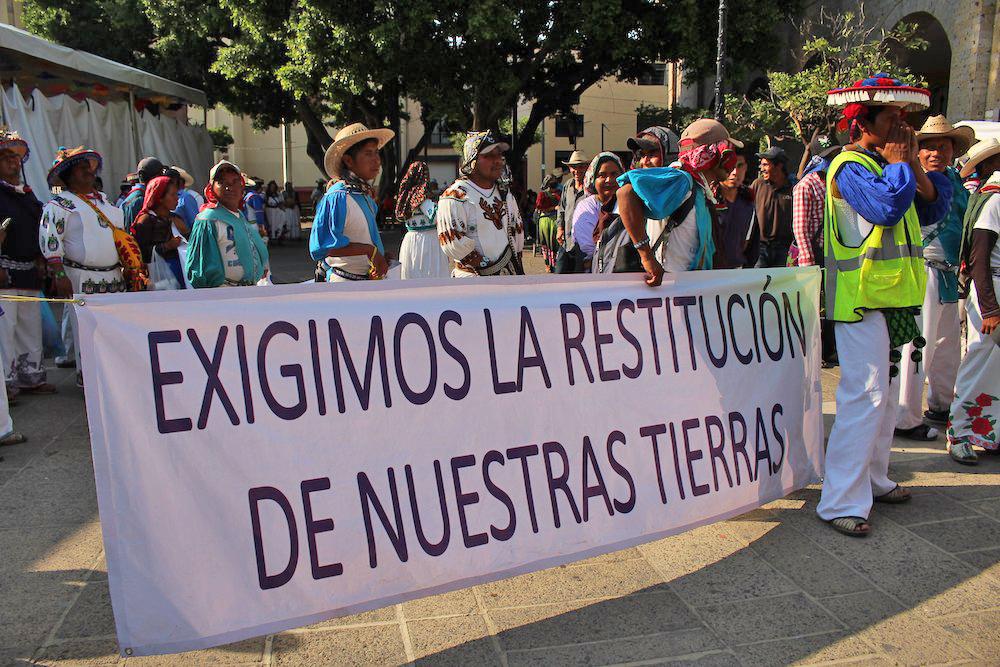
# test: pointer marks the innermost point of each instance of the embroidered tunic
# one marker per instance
(73, 233)
(473, 219)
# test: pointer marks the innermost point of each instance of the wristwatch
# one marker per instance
(641, 244)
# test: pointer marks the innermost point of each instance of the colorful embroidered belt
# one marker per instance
(238, 283)
(347, 275)
(420, 228)
(83, 267)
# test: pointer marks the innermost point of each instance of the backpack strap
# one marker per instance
(675, 219)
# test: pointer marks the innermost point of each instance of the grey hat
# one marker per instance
(774, 154)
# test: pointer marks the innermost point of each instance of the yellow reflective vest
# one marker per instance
(885, 271)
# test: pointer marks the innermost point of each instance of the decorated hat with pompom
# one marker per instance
(10, 140)
(881, 89)
(66, 158)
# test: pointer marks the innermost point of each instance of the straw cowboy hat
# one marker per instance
(577, 159)
(186, 177)
(347, 137)
(938, 127)
(981, 151)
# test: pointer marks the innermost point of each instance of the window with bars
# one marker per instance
(656, 77)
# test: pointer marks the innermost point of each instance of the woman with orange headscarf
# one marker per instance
(153, 227)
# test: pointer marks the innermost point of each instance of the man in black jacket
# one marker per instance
(21, 270)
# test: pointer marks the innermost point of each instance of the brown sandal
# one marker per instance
(12, 438)
(851, 525)
(894, 497)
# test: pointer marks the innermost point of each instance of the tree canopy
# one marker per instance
(326, 62)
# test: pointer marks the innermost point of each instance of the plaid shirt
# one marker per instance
(808, 197)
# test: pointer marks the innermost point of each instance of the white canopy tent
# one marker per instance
(56, 96)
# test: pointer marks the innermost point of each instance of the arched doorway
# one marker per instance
(933, 64)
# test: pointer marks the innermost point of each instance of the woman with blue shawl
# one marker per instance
(345, 240)
(224, 248)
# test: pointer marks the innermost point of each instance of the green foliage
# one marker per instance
(838, 49)
(458, 138)
(221, 138)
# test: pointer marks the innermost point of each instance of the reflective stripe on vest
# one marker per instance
(885, 271)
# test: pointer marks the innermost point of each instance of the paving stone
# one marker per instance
(383, 615)
(90, 615)
(101, 651)
(634, 649)
(631, 553)
(42, 497)
(21, 548)
(740, 576)
(924, 507)
(247, 652)
(78, 547)
(347, 646)
(912, 640)
(805, 650)
(456, 641)
(572, 623)
(462, 602)
(16, 457)
(972, 491)
(978, 592)
(961, 534)
(990, 508)
(564, 583)
(859, 610)
(979, 633)
(769, 618)
(816, 571)
(987, 559)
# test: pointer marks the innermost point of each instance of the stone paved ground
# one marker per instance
(771, 587)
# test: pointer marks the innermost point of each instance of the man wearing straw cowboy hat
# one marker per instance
(21, 324)
(975, 411)
(188, 201)
(875, 280)
(939, 321)
(570, 258)
(345, 240)
(479, 225)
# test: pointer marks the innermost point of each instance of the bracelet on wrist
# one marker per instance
(641, 244)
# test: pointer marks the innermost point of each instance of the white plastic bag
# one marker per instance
(161, 277)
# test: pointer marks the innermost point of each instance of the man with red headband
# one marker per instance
(875, 281)
(650, 195)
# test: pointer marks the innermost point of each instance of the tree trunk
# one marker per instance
(317, 137)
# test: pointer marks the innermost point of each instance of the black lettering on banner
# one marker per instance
(574, 342)
(523, 453)
(634, 371)
(649, 305)
(415, 397)
(241, 352)
(464, 500)
(286, 370)
(499, 387)
(535, 360)
(776, 354)
(255, 496)
(213, 385)
(775, 411)
(430, 548)
(652, 432)
(499, 534)
(670, 330)
(790, 323)
(317, 371)
(691, 456)
(602, 339)
(589, 461)
(394, 531)
(747, 358)
(763, 453)
(739, 445)
(717, 450)
(317, 526)
(460, 392)
(161, 379)
(677, 460)
(625, 506)
(686, 302)
(718, 360)
(559, 482)
(376, 345)
(753, 323)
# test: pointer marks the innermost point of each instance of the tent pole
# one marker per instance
(133, 118)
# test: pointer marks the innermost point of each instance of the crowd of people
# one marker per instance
(903, 234)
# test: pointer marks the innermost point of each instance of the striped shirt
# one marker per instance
(808, 197)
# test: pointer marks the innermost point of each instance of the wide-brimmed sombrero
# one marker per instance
(67, 158)
(12, 141)
(347, 137)
(185, 176)
(881, 89)
(981, 151)
(938, 127)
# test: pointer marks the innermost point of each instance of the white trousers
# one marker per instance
(69, 336)
(6, 424)
(940, 324)
(857, 454)
(21, 340)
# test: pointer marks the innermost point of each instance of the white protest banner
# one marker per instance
(272, 457)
